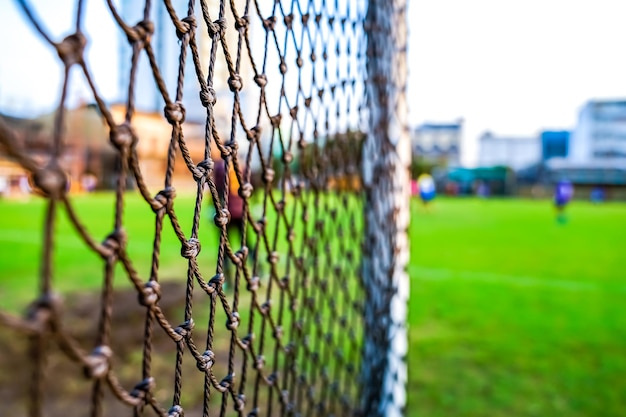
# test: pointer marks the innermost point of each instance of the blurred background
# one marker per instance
(517, 287)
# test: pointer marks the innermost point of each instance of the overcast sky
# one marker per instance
(512, 67)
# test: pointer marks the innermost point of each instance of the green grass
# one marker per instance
(79, 271)
(76, 266)
(511, 313)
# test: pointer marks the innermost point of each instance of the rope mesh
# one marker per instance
(279, 90)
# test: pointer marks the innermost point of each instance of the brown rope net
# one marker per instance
(273, 326)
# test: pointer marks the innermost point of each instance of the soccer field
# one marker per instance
(511, 313)
(514, 314)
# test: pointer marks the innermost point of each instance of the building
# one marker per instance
(596, 155)
(592, 173)
(438, 142)
(153, 138)
(554, 144)
(86, 149)
(600, 133)
(514, 152)
(166, 46)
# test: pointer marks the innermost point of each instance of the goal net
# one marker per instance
(284, 122)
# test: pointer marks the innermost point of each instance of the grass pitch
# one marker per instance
(511, 314)
(514, 314)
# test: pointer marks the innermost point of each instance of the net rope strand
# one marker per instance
(294, 314)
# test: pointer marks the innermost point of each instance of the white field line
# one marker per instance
(418, 273)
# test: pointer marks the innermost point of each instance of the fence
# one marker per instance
(302, 158)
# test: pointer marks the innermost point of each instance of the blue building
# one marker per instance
(554, 144)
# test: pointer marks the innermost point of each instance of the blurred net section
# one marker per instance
(278, 87)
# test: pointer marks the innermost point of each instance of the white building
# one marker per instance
(514, 152)
(600, 134)
(438, 141)
(166, 46)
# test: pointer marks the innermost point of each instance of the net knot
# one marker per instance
(299, 61)
(187, 24)
(217, 28)
(234, 83)
(288, 19)
(280, 206)
(296, 190)
(141, 32)
(206, 361)
(207, 96)
(203, 169)
(184, 330)
(278, 333)
(225, 151)
(260, 224)
(241, 24)
(190, 248)
(254, 134)
(233, 145)
(273, 257)
(227, 381)
(176, 411)
(215, 282)
(41, 311)
(163, 199)
(283, 66)
(122, 136)
(240, 402)
(222, 218)
(247, 340)
(233, 321)
(260, 362)
(265, 308)
(268, 176)
(275, 120)
(242, 254)
(150, 294)
(70, 49)
(114, 243)
(175, 112)
(253, 284)
(51, 180)
(245, 191)
(270, 23)
(260, 80)
(142, 388)
(97, 363)
(272, 379)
